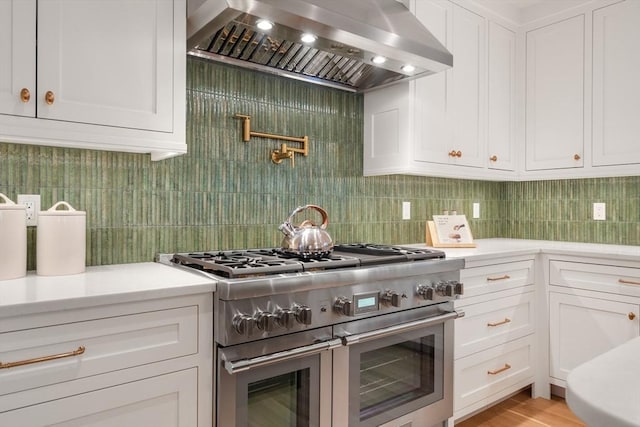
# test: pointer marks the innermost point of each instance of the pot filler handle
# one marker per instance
(405, 327)
(246, 364)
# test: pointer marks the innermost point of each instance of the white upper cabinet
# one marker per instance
(616, 86)
(437, 125)
(501, 103)
(110, 74)
(555, 95)
(17, 57)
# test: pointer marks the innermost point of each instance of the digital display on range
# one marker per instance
(365, 303)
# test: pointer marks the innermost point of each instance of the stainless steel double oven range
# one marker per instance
(362, 337)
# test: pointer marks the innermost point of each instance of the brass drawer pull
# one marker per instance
(25, 95)
(494, 279)
(631, 315)
(49, 97)
(502, 322)
(77, 352)
(497, 371)
(628, 282)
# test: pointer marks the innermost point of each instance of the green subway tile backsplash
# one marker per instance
(226, 193)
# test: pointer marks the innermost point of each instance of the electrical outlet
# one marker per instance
(32, 203)
(476, 210)
(599, 211)
(406, 210)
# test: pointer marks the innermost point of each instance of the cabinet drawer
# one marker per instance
(168, 400)
(109, 344)
(495, 322)
(496, 277)
(480, 375)
(595, 277)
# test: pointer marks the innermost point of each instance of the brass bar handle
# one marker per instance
(628, 282)
(77, 352)
(493, 158)
(49, 97)
(25, 95)
(497, 371)
(502, 322)
(631, 315)
(495, 279)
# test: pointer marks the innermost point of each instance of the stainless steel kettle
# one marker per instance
(306, 240)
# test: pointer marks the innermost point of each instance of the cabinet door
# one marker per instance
(501, 97)
(168, 400)
(582, 328)
(432, 128)
(555, 95)
(616, 86)
(17, 56)
(448, 106)
(467, 87)
(106, 62)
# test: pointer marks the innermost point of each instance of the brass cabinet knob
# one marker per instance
(25, 95)
(49, 97)
(632, 315)
(576, 157)
(452, 153)
(493, 158)
(458, 153)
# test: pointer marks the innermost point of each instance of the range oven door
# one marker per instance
(291, 387)
(395, 366)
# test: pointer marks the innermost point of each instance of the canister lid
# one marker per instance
(53, 210)
(9, 204)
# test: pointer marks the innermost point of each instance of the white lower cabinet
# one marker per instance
(594, 306)
(495, 341)
(168, 400)
(146, 363)
(585, 327)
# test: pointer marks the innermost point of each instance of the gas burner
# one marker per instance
(234, 264)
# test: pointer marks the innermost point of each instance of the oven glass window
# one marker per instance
(281, 401)
(396, 374)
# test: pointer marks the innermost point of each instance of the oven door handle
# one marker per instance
(404, 327)
(246, 364)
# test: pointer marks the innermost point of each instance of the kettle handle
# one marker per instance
(325, 217)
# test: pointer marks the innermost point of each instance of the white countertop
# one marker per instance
(98, 285)
(604, 391)
(491, 248)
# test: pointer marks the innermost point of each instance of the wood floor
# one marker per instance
(523, 411)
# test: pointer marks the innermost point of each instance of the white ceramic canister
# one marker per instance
(13, 239)
(61, 242)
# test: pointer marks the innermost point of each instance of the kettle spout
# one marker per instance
(287, 229)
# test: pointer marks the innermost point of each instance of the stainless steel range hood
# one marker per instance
(349, 34)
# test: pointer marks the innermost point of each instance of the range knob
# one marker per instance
(243, 324)
(449, 288)
(303, 314)
(265, 321)
(285, 318)
(342, 306)
(426, 291)
(391, 298)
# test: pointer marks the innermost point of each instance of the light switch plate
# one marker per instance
(476, 210)
(599, 211)
(406, 210)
